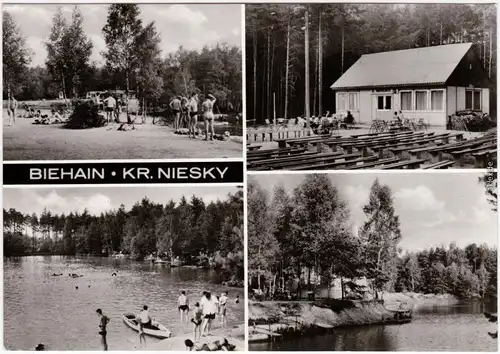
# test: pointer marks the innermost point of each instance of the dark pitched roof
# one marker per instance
(428, 65)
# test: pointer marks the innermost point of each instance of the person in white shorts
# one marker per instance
(208, 115)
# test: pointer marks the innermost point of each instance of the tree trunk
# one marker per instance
(342, 290)
(287, 67)
(320, 75)
(306, 39)
(491, 52)
(258, 277)
(315, 95)
(484, 40)
(441, 34)
(342, 58)
(254, 71)
(126, 94)
(271, 75)
(268, 83)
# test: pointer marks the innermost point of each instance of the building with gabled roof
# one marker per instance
(431, 83)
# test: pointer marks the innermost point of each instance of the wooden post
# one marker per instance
(274, 108)
(306, 39)
(287, 66)
(320, 75)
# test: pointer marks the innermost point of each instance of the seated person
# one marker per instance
(349, 119)
(396, 119)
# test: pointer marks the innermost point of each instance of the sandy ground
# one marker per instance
(26, 141)
(235, 336)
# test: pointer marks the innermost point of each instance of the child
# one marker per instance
(197, 320)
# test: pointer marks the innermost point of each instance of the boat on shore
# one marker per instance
(399, 317)
(159, 261)
(156, 330)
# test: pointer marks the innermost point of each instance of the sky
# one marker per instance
(101, 199)
(434, 209)
(192, 26)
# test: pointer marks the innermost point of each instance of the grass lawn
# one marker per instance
(25, 141)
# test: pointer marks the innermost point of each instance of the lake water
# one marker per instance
(41, 308)
(437, 328)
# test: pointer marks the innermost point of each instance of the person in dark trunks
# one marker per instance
(104, 320)
(197, 320)
(176, 106)
(209, 308)
(183, 303)
(144, 320)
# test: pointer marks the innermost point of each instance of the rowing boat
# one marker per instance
(157, 330)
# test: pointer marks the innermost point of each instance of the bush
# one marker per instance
(473, 120)
(85, 115)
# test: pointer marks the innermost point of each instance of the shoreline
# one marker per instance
(280, 319)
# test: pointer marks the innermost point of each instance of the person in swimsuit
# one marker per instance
(11, 110)
(223, 308)
(209, 309)
(109, 107)
(193, 114)
(208, 115)
(104, 320)
(197, 320)
(175, 105)
(184, 112)
(144, 320)
(183, 302)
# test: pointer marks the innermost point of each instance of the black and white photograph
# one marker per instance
(371, 86)
(124, 268)
(122, 81)
(373, 262)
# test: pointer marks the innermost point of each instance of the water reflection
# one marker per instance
(436, 328)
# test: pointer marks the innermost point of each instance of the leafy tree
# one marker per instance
(16, 56)
(121, 32)
(380, 235)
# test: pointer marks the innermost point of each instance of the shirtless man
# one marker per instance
(11, 110)
(193, 114)
(176, 107)
(109, 107)
(103, 322)
(183, 303)
(184, 112)
(208, 115)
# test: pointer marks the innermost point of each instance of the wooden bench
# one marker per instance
(335, 164)
(374, 163)
(459, 156)
(275, 159)
(485, 159)
(408, 164)
(300, 160)
(282, 143)
(253, 147)
(439, 165)
(400, 150)
(435, 153)
(259, 153)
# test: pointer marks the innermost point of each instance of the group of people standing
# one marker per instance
(204, 312)
(186, 113)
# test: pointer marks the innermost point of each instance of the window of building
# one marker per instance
(421, 100)
(437, 100)
(353, 101)
(406, 101)
(384, 102)
(342, 106)
(473, 99)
